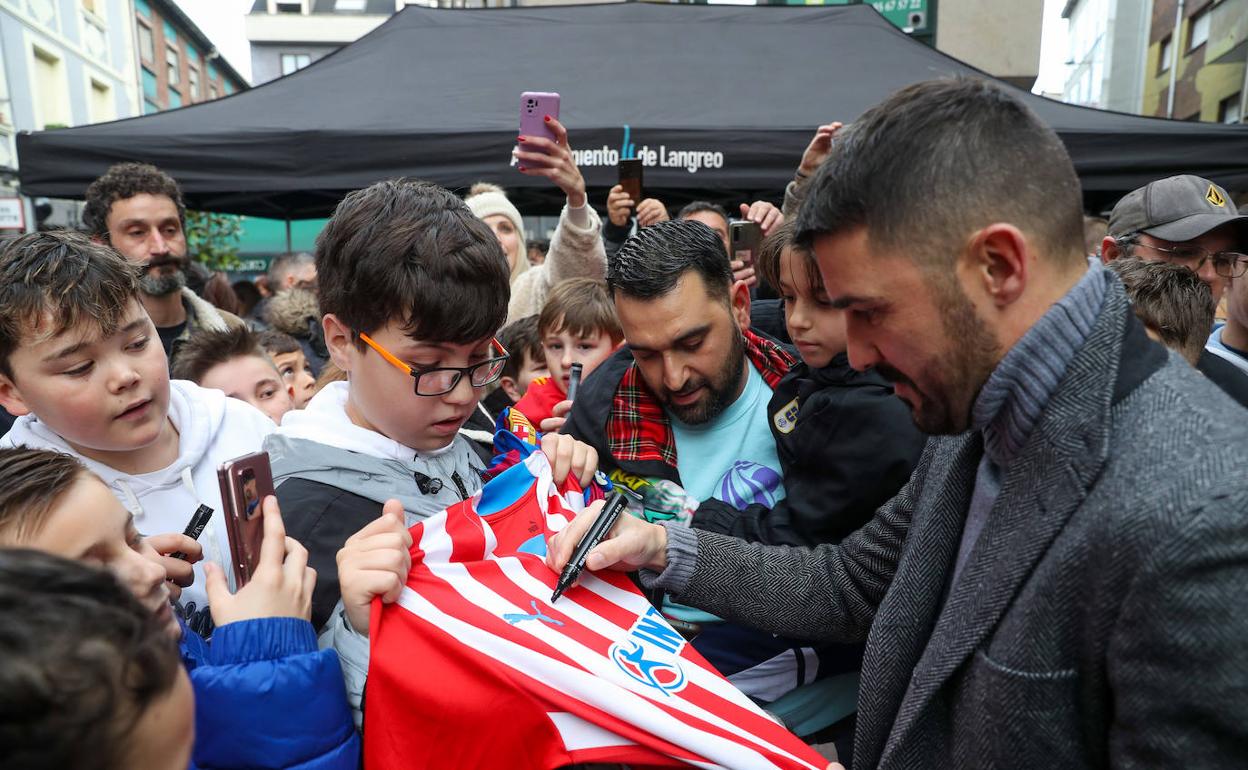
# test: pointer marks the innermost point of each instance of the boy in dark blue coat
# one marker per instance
(265, 696)
(846, 444)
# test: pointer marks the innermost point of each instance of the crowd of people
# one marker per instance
(944, 477)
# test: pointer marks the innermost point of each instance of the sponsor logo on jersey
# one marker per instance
(785, 420)
(650, 654)
(519, 617)
(630, 482)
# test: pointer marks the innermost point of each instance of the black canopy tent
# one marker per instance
(718, 101)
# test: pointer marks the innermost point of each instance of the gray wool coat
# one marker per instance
(1102, 617)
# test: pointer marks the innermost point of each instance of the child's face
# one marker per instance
(108, 397)
(563, 348)
(254, 380)
(383, 397)
(297, 374)
(88, 524)
(816, 328)
(530, 369)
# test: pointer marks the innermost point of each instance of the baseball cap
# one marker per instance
(1177, 208)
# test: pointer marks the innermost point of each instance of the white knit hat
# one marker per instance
(491, 200)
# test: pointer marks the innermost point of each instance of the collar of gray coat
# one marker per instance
(1018, 390)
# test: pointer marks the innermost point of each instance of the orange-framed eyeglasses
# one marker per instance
(443, 379)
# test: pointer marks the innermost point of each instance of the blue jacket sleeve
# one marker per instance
(265, 696)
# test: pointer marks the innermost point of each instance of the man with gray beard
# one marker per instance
(137, 209)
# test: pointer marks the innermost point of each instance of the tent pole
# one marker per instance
(288, 241)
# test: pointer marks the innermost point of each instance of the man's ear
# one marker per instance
(338, 341)
(1110, 250)
(740, 307)
(998, 258)
(511, 388)
(11, 398)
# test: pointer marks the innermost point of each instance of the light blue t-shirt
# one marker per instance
(732, 457)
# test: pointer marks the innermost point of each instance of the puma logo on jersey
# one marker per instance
(519, 617)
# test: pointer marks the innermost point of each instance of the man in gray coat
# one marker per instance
(1061, 584)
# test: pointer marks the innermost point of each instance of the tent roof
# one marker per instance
(435, 94)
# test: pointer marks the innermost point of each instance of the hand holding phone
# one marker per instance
(282, 581)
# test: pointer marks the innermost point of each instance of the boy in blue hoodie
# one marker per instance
(264, 695)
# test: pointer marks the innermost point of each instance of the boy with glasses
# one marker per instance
(1189, 221)
(411, 302)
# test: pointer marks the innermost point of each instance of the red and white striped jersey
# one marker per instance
(473, 667)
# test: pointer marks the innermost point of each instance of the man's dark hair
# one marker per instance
(122, 181)
(650, 263)
(695, 207)
(520, 338)
(31, 482)
(284, 264)
(412, 252)
(207, 348)
(62, 277)
(939, 160)
(1171, 300)
(81, 661)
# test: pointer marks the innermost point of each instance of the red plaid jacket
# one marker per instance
(638, 429)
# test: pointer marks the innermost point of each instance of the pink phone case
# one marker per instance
(534, 107)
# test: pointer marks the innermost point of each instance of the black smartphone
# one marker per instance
(745, 238)
(245, 482)
(630, 178)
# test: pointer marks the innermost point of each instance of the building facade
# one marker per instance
(288, 35)
(1107, 45)
(65, 63)
(177, 64)
(1000, 38)
(1196, 67)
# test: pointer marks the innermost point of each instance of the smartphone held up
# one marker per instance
(534, 107)
(630, 178)
(744, 238)
(245, 482)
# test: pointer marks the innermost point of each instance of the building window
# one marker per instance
(288, 7)
(1198, 32)
(51, 106)
(103, 108)
(212, 90)
(150, 86)
(147, 46)
(1230, 109)
(293, 62)
(1167, 53)
(349, 5)
(192, 81)
(142, 8)
(150, 107)
(172, 67)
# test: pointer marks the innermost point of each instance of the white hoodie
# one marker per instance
(211, 429)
